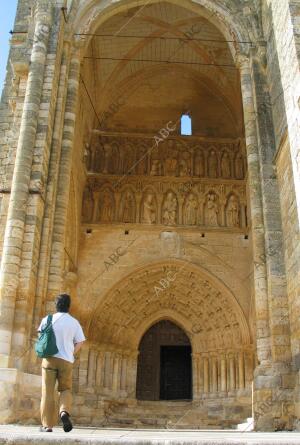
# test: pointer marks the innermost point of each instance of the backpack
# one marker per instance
(46, 343)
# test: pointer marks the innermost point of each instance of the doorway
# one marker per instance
(164, 364)
(175, 373)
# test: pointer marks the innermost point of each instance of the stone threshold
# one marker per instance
(23, 435)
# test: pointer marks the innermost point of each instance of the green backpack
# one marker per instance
(46, 343)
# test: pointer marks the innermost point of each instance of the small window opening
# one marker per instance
(186, 125)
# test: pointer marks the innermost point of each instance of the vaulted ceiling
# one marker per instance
(162, 60)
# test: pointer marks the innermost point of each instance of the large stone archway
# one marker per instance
(223, 354)
(205, 208)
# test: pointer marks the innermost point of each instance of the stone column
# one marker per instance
(14, 231)
(107, 370)
(232, 372)
(131, 375)
(196, 371)
(45, 248)
(206, 374)
(263, 340)
(241, 371)
(63, 189)
(92, 368)
(116, 374)
(100, 369)
(123, 375)
(223, 375)
(272, 329)
(214, 375)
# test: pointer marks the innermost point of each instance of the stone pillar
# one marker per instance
(14, 231)
(131, 375)
(63, 189)
(45, 248)
(107, 370)
(241, 371)
(99, 369)
(116, 374)
(92, 368)
(214, 364)
(223, 375)
(206, 374)
(123, 375)
(232, 373)
(263, 340)
(196, 372)
(272, 329)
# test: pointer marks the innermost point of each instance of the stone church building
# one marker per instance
(150, 166)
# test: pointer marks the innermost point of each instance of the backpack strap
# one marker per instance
(49, 321)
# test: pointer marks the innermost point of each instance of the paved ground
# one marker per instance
(23, 435)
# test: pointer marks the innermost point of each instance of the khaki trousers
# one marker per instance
(55, 369)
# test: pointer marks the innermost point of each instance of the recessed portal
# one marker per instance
(164, 364)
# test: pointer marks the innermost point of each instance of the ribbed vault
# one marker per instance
(179, 291)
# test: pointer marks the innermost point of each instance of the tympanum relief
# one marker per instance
(182, 182)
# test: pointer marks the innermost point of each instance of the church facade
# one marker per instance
(150, 167)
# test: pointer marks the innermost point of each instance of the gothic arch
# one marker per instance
(160, 291)
(88, 16)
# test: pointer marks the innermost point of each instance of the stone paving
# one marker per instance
(21, 435)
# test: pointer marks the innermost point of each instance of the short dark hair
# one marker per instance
(63, 302)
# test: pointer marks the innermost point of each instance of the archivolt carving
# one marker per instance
(207, 309)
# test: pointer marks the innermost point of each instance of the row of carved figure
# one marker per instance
(140, 158)
(105, 207)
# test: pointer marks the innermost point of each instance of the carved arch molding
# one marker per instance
(205, 308)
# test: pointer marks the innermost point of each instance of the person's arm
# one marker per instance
(77, 347)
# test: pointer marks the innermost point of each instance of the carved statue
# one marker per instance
(184, 167)
(129, 161)
(122, 156)
(225, 165)
(87, 205)
(141, 161)
(106, 208)
(97, 159)
(213, 164)
(149, 210)
(171, 160)
(212, 211)
(107, 152)
(190, 211)
(233, 212)
(155, 168)
(199, 164)
(169, 209)
(128, 214)
(87, 156)
(239, 167)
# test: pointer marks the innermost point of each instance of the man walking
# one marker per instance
(59, 367)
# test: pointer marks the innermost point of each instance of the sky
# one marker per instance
(7, 17)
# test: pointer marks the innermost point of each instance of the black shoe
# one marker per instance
(45, 429)
(67, 424)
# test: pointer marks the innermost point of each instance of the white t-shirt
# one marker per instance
(68, 332)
